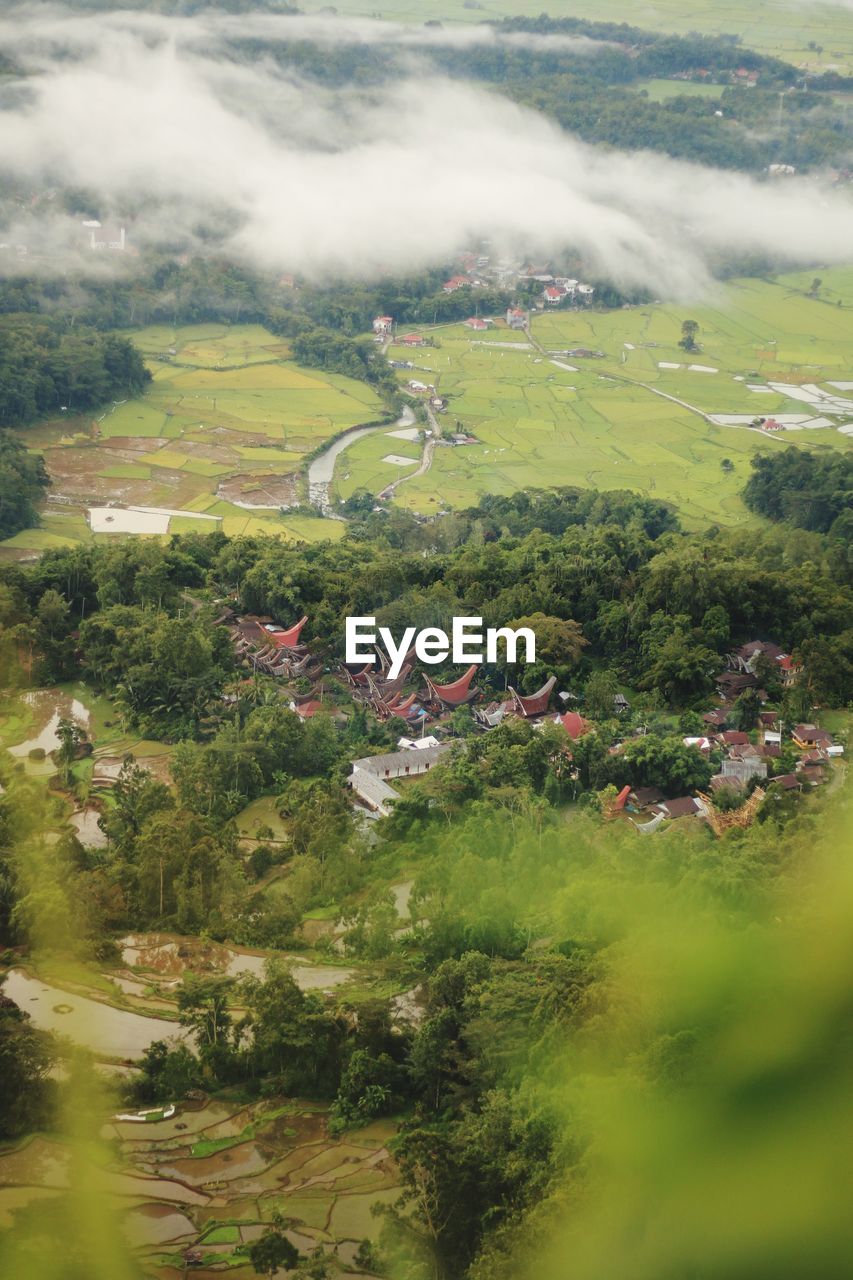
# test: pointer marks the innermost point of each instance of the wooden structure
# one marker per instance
(742, 817)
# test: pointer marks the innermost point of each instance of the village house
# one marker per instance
(743, 768)
(383, 325)
(553, 296)
(456, 282)
(477, 323)
(645, 797)
(112, 239)
(733, 738)
(371, 776)
(574, 724)
(683, 807)
(809, 736)
(516, 318)
(744, 659)
(413, 340)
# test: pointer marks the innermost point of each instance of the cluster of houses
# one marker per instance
(562, 290)
(261, 645)
(747, 761)
(478, 272)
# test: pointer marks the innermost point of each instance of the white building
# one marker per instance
(371, 776)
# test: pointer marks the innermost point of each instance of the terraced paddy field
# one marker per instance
(633, 410)
(210, 1179)
(782, 28)
(220, 435)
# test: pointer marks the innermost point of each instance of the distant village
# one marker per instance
(748, 760)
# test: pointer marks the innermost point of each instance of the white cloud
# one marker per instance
(355, 181)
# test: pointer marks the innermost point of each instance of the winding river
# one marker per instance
(322, 470)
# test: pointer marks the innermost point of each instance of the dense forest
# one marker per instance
(51, 366)
(23, 481)
(808, 490)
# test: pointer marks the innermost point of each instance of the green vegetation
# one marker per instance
(227, 420)
(22, 483)
(814, 37)
(809, 492)
(542, 416)
(45, 367)
(574, 1000)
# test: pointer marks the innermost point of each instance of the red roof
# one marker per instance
(734, 738)
(534, 704)
(553, 293)
(574, 724)
(619, 802)
(456, 692)
(288, 639)
(400, 708)
(308, 709)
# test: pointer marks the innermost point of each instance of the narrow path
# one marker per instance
(426, 460)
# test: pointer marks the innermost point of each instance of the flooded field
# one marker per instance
(107, 1031)
(45, 708)
(170, 955)
(85, 823)
(211, 1178)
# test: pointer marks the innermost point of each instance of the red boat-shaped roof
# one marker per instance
(400, 708)
(288, 639)
(534, 704)
(456, 693)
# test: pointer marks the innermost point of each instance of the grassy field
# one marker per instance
(783, 28)
(661, 90)
(543, 417)
(222, 431)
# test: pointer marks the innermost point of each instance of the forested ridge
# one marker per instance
(49, 366)
(596, 92)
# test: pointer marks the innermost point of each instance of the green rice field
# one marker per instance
(222, 431)
(661, 90)
(543, 417)
(782, 28)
